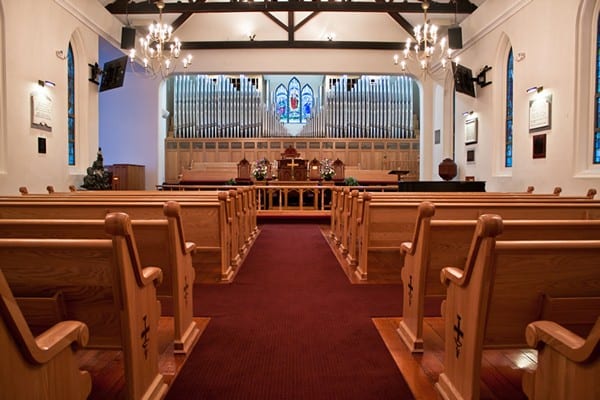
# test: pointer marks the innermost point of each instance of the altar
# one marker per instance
(292, 169)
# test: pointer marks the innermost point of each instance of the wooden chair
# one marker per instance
(568, 365)
(314, 173)
(338, 167)
(243, 169)
(42, 367)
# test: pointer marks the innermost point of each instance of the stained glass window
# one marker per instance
(597, 99)
(71, 105)
(294, 110)
(281, 99)
(307, 102)
(508, 149)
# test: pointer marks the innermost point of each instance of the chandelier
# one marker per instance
(423, 50)
(159, 49)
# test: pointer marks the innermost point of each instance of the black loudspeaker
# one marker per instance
(455, 38)
(127, 38)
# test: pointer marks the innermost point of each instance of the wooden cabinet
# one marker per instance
(128, 177)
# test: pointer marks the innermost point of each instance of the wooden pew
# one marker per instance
(386, 225)
(103, 285)
(438, 243)
(499, 291)
(160, 242)
(40, 367)
(568, 365)
(206, 223)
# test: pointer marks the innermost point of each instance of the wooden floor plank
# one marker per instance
(106, 366)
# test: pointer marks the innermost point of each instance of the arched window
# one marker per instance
(71, 106)
(597, 99)
(308, 100)
(281, 99)
(294, 110)
(508, 134)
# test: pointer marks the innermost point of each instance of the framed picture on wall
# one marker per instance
(471, 131)
(539, 146)
(471, 156)
(540, 113)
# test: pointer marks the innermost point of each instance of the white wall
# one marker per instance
(545, 31)
(31, 39)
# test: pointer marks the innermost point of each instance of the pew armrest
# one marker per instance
(450, 275)
(54, 340)
(406, 248)
(565, 342)
(152, 275)
(190, 247)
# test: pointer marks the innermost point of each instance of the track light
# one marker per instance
(535, 89)
(46, 83)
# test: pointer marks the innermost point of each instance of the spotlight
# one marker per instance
(535, 89)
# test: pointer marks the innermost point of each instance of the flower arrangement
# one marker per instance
(326, 170)
(260, 169)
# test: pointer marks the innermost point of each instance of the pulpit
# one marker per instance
(293, 169)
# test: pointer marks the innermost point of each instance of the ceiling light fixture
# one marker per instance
(424, 49)
(159, 49)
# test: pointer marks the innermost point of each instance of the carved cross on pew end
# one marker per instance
(410, 290)
(459, 335)
(145, 337)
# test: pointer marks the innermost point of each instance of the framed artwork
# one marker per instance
(471, 131)
(471, 156)
(540, 113)
(41, 112)
(539, 146)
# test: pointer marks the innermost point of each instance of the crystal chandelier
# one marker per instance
(423, 51)
(159, 50)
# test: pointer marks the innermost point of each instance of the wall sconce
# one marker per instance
(468, 113)
(46, 83)
(251, 36)
(535, 89)
(331, 36)
(61, 54)
(521, 56)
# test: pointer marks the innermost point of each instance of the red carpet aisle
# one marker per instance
(291, 326)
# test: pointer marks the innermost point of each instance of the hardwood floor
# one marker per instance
(501, 373)
(106, 366)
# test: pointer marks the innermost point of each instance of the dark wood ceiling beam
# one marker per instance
(276, 20)
(305, 20)
(290, 26)
(120, 7)
(180, 20)
(295, 44)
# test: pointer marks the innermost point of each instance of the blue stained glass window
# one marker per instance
(71, 105)
(508, 149)
(281, 100)
(307, 102)
(597, 99)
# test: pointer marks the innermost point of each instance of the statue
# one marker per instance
(97, 178)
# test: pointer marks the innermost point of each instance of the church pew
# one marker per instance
(104, 286)
(386, 225)
(439, 243)
(500, 290)
(568, 365)
(39, 367)
(206, 223)
(160, 242)
(340, 201)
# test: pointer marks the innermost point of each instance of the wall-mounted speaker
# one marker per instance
(127, 38)
(455, 37)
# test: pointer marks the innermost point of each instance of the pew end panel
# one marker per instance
(41, 367)
(568, 365)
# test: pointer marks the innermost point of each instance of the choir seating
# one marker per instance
(160, 242)
(103, 285)
(438, 243)
(502, 288)
(41, 367)
(568, 365)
